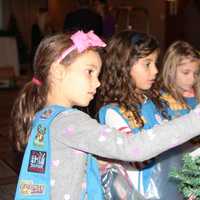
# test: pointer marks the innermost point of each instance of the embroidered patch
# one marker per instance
(28, 188)
(46, 114)
(37, 161)
(39, 138)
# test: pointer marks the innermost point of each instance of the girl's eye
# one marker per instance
(89, 71)
(196, 74)
(185, 72)
(147, 65)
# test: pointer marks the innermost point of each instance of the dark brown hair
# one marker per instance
(122, 52)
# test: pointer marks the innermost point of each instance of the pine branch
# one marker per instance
(188, 178)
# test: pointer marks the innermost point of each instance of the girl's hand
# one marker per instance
(192, 197)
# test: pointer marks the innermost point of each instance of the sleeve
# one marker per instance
(77, 130)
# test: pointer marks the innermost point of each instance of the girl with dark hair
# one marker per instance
(131, 102)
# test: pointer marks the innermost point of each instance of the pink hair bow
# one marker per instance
(81, 42)
(36, 81)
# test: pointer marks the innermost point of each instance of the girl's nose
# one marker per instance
(97, 83)
(154, 70)
(191, 78)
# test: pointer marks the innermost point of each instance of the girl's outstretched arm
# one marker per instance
(78, 131)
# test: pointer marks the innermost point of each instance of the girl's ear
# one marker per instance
(57, 71)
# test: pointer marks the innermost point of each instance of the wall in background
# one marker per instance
(1, 15)
(25, 11)
(156, 9)
(58, 10)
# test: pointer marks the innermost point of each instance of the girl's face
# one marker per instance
(186, 75)
(81, 80)
(144, 71)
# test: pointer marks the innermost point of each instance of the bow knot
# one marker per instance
(81, 42)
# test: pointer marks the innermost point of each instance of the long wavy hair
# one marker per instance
(32, 97)
(117, 86)
(174, 55)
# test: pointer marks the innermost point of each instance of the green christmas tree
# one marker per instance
(188, 177)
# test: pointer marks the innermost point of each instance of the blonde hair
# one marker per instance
(176, 52)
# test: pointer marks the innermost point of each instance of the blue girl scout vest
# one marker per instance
(173, 157)
(34, 178)
(151, 117)
(177, 109)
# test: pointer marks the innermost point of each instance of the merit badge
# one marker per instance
(46, 114)
(39, 138)
(37, 161)
(28, 188)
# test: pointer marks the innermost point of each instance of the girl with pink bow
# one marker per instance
(61, 142)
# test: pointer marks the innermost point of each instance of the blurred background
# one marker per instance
(168, 20)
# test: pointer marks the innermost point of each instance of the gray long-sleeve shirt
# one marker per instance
(73, 134)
